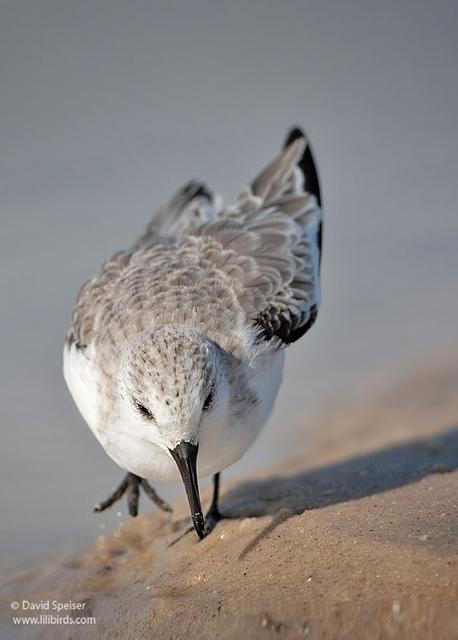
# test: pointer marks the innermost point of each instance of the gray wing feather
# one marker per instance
(269, 243)
(96, 293)
(190, 207)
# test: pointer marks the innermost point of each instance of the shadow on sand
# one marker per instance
(358, 477)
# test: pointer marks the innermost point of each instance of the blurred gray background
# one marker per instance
(107, 107)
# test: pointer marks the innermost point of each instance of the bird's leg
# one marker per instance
(213, 515)
(131, 484)
(133, 493)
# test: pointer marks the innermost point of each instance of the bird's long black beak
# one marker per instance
(185, 455)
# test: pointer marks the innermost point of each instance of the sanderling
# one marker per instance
(176, 347)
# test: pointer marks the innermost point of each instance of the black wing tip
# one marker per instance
(295, 133)
(307, 163)
(196, 189)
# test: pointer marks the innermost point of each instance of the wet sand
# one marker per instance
(355, 537)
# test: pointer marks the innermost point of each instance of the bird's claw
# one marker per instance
(131, 485)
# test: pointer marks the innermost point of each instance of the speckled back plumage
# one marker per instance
(249, 271)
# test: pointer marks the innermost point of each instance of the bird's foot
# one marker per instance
(131, 485)
(212, 517)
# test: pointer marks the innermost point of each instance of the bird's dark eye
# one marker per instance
(146, 413)
(208, 400)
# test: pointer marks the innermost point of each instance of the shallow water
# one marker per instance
(94, 136)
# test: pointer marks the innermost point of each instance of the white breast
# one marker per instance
(266, 381)
(80, 377)
(227, 441)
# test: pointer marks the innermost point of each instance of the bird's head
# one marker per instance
(173, 388)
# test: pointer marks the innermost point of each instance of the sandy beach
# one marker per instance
(355, 537)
